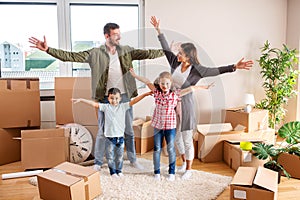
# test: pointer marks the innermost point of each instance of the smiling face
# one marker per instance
(113, 38)
(182, 57)
(165, 84)
(114, 99)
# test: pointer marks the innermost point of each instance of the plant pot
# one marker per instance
(274, 168)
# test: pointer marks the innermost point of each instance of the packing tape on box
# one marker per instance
(21, 174)
(71, 174)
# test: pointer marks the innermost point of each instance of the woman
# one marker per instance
(186, 71)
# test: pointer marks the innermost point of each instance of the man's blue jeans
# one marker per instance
(129, 135)
(158, 139)
(114, 154)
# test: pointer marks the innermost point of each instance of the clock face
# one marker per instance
(81, 142)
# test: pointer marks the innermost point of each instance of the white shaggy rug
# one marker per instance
(140, 184)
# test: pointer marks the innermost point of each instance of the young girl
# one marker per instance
(164, 118)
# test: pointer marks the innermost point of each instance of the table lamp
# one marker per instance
(249, 101)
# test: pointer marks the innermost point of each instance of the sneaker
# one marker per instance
(171, 177)
(137, 165)
(121, 175)
(97, 167)
(182, 167)
(187, 175)
(115, 176)
(157, 177)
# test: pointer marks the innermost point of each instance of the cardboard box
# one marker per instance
(211, 137)
(144, 140)
(253, 183)
(291, 163)
(19, 102)
(67, 112)
(255, 120)
(10, 149)
(235, 157)
(69, 181)
(44, 148)
(210, 140)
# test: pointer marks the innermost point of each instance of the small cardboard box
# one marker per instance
(44, 148)
(144, 140)
(253, 183)
(235, 157)
(69, 181)
(19, 102)
(291, 163)
(10, 149)
(210, 140)
(255, 120)
(67, 88)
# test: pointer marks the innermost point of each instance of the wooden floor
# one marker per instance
(21, 189)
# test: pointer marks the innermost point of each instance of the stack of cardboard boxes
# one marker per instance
(19, 109)
(217, 142)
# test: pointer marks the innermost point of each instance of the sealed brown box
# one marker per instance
(144, 140)
(253, 183)
(291, 163)
(44, 148)
(10, 148)
(253, 121)
(69, 181)
(67, 112)
(235, 157)
(19, 102)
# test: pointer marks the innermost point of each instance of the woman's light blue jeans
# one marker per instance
(169, 135)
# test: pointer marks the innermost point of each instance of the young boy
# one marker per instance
(114, 127)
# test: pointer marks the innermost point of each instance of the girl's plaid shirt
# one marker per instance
(164, 116)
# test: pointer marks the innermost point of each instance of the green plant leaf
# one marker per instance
(290, 132)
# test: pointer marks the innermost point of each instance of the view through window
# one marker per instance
(84, 30)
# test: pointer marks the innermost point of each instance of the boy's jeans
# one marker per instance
(114, 154)
(158, 139)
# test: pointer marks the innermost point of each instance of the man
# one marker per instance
(109, 65)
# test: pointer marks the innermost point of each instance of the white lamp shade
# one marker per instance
(249, 99)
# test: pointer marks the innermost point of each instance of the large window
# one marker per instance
(73, 25)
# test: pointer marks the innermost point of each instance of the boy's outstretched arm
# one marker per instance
(143, 80)
(86, 101)
(138, 98)
(195, 87)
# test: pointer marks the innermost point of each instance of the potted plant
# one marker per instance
(290, 134)
(280, 76)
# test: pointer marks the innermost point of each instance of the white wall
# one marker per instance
(293, 32)
(224, 31)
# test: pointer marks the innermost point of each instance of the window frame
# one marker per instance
(64, 23)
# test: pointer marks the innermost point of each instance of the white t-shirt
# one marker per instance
(115, 75)
(114, 125)
(180, 77)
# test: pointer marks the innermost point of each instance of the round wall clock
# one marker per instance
(81, 142)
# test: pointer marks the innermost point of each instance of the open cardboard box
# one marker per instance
(19, 102)
(211, 137)
(44, 148)
(69, 181)
(235, 157)
(253, 183)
